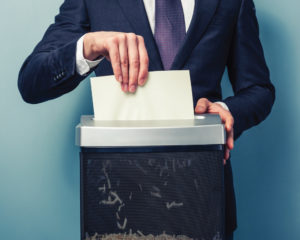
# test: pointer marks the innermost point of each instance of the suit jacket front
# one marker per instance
(223, 33)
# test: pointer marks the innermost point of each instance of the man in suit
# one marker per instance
(128, 38)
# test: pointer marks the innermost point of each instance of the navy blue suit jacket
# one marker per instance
(223, 33)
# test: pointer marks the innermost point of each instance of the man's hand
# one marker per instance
(205, 106)
(126, 52)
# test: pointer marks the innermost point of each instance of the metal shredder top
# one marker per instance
(205, 129)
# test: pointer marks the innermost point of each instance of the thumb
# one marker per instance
(202, 105)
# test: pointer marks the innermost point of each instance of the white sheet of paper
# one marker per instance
(166, 95)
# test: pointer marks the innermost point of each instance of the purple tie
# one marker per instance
(169, 29)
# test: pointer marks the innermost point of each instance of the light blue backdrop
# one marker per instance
(39, 167)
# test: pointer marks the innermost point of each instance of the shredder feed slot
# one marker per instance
(206, 129)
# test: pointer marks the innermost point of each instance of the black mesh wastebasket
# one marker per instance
(152, 179)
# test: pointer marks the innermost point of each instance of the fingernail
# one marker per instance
(125, 87)
(120, 79)
(142, 81)
(200, 108)
(132, 88)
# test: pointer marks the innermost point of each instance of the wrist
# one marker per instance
(223, 105)
(90, 50)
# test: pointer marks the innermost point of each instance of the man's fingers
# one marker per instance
(128, 56)
(144, 61)
(123, 58)
(230, 140)
(202, 105)
(228, 121)
(134, 61)
(227, 155)
(115, 59)
(227, 118)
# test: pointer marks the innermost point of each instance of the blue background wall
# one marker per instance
(39, 167)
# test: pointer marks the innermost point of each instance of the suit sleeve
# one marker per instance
(50, 70)
(254, 93)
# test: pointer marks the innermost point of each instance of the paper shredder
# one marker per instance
(158, 179)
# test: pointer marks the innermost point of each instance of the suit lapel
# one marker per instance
(135, 12)
(203, 13)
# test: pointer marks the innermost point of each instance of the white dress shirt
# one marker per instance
(83, 66)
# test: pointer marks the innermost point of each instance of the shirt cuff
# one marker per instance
(223, 105)
(83, 66)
